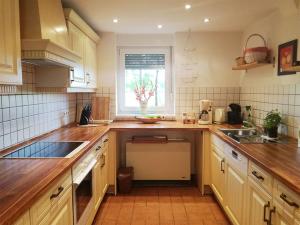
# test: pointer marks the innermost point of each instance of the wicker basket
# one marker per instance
(257, 54)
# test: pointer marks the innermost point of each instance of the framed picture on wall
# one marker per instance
(287, 57)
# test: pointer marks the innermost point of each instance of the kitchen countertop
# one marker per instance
(23, 181)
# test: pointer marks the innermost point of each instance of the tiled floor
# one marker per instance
(161, 206)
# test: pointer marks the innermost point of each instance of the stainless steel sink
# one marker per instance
(249, 135)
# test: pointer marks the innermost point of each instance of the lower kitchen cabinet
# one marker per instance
(63, 214)
(235, 199)
(218, 173)
(97, 184)
(104, 170)
(24, 219)
(100, 173)
(259, 204)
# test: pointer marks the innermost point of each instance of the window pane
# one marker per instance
(150, 78)
(148, 71)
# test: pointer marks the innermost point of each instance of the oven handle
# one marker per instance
(85, 172)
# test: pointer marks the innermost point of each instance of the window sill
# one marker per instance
(166, 117)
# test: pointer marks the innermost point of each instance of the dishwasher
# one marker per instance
(159, 158)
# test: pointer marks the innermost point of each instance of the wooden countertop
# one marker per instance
(23, 181)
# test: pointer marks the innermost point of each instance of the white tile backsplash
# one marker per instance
(30, 113)
(284, 98)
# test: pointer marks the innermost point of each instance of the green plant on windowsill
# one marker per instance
(271, 123)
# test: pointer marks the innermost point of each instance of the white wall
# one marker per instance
(107, 60)
(210, 62)
(277, 28)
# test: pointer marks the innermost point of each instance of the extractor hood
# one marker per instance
(44, 34)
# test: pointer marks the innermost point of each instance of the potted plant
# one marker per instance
(271, 123)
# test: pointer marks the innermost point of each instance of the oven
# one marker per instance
(83, 196)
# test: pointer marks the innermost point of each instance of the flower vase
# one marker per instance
(143, 106)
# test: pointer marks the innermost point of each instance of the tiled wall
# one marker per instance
(284, 98)
(29, 113)
(187, 99)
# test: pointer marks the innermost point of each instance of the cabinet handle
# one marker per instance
(259, 177)
(234, 154)
(265, 212)
(270, 215)
(222, 162)
(290, 203)
(106, 140)
(59, 190)
(103, 161)
(98, 148)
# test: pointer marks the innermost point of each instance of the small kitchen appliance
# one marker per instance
(219, 115)
(205, 116)
(234, 114)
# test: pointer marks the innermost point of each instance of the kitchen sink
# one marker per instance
(249, 136)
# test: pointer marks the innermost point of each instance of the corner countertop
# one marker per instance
(23, 181)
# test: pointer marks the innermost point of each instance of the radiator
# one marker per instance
(159, 161)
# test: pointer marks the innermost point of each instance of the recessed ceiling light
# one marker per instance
(115, 20)
(187, 6)
(159, 26)
(206, 20)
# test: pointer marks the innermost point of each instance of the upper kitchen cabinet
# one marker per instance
(10, 50)
(83, 40)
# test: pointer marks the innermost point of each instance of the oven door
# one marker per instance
(83, 194)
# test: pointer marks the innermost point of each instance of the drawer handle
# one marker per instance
(265, 212)
(59, 190)
(98, 148)
(106, 140)
(259, 177)
(270, 215)
(290, 203)
(234, 154)
(222, 168)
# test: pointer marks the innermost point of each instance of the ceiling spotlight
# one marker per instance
(206, 20)
(115, 20)
(159, 26)
(188, 6)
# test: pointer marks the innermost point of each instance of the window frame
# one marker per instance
(168, 109)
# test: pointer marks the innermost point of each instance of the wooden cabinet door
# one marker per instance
(104, 171)
(218, 174)
(23, 220)
(64, 213)
(90, 63)
(10, 50)
(97, 185)
(235, 195)
(77, 44)
(259, 204)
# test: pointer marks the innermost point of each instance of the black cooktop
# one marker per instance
(44, 150)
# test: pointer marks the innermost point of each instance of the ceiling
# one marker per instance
(143, 16)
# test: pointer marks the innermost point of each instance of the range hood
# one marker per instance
(44, 34)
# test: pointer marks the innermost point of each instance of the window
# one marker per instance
(145, 76)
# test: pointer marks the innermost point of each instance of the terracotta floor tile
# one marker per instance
(160, 206)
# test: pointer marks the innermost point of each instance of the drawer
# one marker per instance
(236, 159)
(50, 199)
(218, 142)
(289, 200)
(261, 177)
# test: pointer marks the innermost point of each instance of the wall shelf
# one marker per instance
(250, 66)
(293, 69)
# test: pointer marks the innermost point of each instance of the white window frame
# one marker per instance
(169, 102)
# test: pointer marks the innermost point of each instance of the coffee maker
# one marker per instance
(205, 116)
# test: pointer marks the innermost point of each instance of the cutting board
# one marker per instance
(100, 108)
